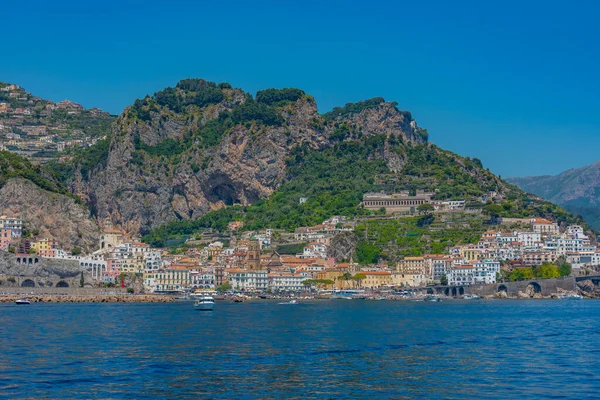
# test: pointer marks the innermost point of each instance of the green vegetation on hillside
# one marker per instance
(332, 181)
(590, 214)
(392, 239)
(85, 158)
(544, 271)
(15, 166)
(279, 97)
(353, 108)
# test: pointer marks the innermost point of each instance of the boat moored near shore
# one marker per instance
(205, 303)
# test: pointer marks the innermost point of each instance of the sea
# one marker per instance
(326, 349)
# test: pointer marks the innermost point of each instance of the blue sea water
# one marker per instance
(317, 349)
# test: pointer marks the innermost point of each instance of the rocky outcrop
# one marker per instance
(53, 215)
(588, 289)
(138, 191)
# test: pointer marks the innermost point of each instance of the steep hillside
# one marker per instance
(39, 129)
(47, 208)
(577, 190)
(201, 154)
(198, 147)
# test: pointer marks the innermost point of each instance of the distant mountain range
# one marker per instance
(577, 190)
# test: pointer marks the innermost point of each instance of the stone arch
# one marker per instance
(453, 292)
(502, 288)
(18, 260)
(35, 260)
(535, 286)
(28, 283)
(461, 291)
(447, 291)
(429, 290)
(30, 260)
(62, 284)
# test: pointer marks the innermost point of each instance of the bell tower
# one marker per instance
(253, 255)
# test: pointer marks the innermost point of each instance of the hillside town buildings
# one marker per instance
(248, 262)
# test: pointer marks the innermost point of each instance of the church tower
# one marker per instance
(253, 255)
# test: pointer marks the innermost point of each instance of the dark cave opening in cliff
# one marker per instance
(223, 192)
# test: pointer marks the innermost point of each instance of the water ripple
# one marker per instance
(322, 350)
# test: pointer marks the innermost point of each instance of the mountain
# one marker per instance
(46, 206)
(200, 154)
(577, 190)
(199, 147)
(39, 129)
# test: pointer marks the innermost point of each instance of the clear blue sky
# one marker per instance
(515, 83)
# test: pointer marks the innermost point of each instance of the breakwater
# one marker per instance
(90, 298)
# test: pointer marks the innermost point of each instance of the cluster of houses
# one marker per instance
(246, 262)
(26, 129)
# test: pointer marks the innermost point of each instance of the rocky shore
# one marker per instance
(122, 298)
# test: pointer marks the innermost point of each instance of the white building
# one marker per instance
(202, 280)
(568, 245)
(315, 250)
(529, 239)
(460, 275)
(96, 264)
(285, 281)
(485, 271)
(241, 279)
(543, 226)
(14, 224)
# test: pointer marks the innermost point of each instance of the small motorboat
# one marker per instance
(471, 297)
(290, 302)
(434, 298)
(22, 301)
(573, 296)
(238, 300)
(205, 303)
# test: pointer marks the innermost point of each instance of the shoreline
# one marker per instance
(109, 298)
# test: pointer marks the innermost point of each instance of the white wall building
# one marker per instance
(286, 282)
(247, 280)
(460, 275)
(485, 271)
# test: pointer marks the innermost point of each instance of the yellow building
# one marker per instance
(135, 265)
(412, 271)
(470, 253)
(174, 278)
(43, 244)
(376, 279)
(334, 275)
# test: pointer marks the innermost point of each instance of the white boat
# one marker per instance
(22, 301)
(432, 298)
(572, 297)
(290, 302)
(471, 297)
(205, 303)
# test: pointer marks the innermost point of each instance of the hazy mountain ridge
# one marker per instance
(577, 189)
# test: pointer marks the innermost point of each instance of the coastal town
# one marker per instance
(256, 261)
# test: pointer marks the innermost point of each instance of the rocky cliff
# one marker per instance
(53, 215)
(199, 147)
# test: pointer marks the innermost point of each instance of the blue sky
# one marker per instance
(514, 83)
